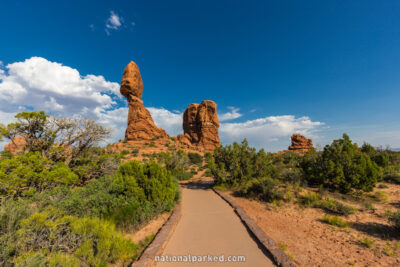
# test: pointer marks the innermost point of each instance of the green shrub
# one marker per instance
(23, 175)
(335, 221)
(380, 196)
(334, 206)
(124, 153)
(265, 189)
(341, 166)
(395, 219)
(92, 241)
(236, 164)
(182, 176)
(195, 158)
(310, 198)
(367, 242)
(382, 186)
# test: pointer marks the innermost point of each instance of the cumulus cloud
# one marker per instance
(113, 22)
(37, 83)
(231, 115)
(169, 121)
(265, 132)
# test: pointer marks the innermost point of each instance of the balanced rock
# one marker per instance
(200, 126)
(300, 144)
(140, 123)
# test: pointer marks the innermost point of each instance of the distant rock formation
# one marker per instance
(140, 123)
(200, 126)
(16, 145)
(300, 144)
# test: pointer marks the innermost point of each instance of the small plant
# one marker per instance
(335, 221)
(388, 250)
(152, 144)
(135, 152)
(380, 196)
(368, 205)
(124, 153)
(282, 245)
(310, 198)
(351, 263)
(336, 207)
(382, 186)
(395, 219)
(367, 242)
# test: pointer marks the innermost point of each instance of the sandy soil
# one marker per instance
(314, 243)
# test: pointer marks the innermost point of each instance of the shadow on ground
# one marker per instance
(383, 231)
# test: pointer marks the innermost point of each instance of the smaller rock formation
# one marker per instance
(16, 145)
(200, 126)
(300, 144)
(140, 123)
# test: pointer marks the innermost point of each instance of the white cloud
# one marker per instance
(271, 132)
(169, 121)
(231, 115)
(38, 83)
(113, 22)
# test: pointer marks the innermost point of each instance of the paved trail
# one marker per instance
(210, 226)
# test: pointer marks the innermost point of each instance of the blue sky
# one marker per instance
(273, 67)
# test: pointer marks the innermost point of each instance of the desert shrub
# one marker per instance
(124, 153)
(195, 158)
(157, 183)
(265, 189)
(25, 174)
(381, 158)
(335, 221)
(391, 177)
(11, 214)
(334, 206)
(182, 176)
(310, 198)
(367, 242)
(395, 219)
(94, 242)
(207, 173)
(238, 163)
(382, 186)
(341, 166)
(380, 196)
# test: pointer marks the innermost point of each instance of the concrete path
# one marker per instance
(210, 227)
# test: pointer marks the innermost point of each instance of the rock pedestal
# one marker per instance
(200, 126)
(140, 123)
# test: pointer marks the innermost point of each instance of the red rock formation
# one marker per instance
(140, 123)
(300, 144)
(200, 126)
(16, 145)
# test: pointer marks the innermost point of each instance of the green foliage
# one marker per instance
(395, 219)
(310, 198)
(34, 126)
(25, 174)
(195, 158)
(335, 221)
(237, 163)
(334, 206)
(381, 158)
(341, 166)
(92, 241)
(265, 189)
(367, 242)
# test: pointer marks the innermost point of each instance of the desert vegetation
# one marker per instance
(351, 189)
(66, 202)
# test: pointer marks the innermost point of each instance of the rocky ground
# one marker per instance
(311, 242)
